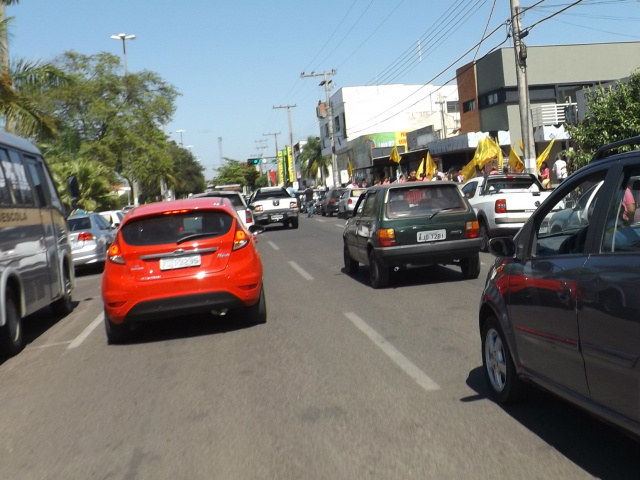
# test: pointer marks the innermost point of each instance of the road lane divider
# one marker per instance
(273, 245)
(299, 269)
(86, 332)
(394, 354)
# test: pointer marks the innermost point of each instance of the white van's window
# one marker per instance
(24, 186)
(5, 194)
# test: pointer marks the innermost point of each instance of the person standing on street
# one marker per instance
(560, 168)
(308, 198)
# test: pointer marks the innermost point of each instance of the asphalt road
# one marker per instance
(343, 382)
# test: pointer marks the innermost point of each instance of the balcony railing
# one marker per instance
(550, 114)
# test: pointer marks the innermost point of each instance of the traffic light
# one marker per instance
(253, 161)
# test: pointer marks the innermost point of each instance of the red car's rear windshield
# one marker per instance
(174, 228)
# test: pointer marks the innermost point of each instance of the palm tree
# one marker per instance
(312, 161)
(19, 83)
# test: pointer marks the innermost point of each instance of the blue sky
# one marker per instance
(233, 61)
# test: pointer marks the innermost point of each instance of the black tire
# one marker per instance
(378, 274)
(294, 222)
(257, 314)
(11, 340)
(470, 267)
(350, 265)
(116, 334)
(484, 235)
(64, 305)
(324, 214)
(499, 369)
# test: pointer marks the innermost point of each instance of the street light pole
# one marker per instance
(180, 132)
(293, 159)
(326, 83)
(124, 37)
(275, 136)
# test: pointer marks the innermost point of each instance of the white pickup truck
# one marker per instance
(503, 203)
(274, 205)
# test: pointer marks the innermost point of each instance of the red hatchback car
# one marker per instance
(189, 256)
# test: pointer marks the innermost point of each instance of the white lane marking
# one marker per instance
(398, 358)
(273, 245)
(47, 345)
(86, 332)
(299, 269)
(338, 225)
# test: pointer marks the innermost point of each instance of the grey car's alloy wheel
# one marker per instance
(378, 274)
(499, 369)
(11, 341)
(350, 265)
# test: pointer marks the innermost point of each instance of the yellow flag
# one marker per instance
(430, 166)
(349, 169)
(469, 170)
(420, 170)
(544, 155)
(478, 153)
(500, 158)
(515, 162)
(394, 157)
(489, 152)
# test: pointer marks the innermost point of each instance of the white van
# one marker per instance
(36, 269)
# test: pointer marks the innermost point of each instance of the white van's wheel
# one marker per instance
(11, 341)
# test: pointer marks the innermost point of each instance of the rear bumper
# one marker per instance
(274, 216)
(428, 253)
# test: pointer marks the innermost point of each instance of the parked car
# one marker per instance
(274, 205)
(236, 199)
(411, 224)
(114, 217)
(185, 257)
(348, 200)
(329, 204)
(560, 308)
(90, 236)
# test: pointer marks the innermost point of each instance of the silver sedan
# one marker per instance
(91, 236)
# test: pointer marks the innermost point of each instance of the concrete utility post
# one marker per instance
(275, 136)
(526, 122)
(293, 159)
(326, 83)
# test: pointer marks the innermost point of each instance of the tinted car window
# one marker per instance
(424, 201)
(164, 229)
(262, 195)
(622, 228)
(76, 224)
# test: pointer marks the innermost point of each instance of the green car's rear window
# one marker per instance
(407, 202)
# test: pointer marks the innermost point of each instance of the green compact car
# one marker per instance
(411, 224)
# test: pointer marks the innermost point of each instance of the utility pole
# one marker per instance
(293, 160)
(275, 136)
(526, 122)
(326, 83)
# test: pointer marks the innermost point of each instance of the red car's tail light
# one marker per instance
(258, 208)
(472, 229)
(175, 212)
(85, 237)
(115, 254)
(240, 239)
(501, 206)
(387, 237)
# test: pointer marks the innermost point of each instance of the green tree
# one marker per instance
(190, 170)
(236, 172)
(312, 161)
(612, 113)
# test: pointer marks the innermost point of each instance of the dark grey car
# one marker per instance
(561, 307)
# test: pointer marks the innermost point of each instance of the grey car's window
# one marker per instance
(563, 225)
(101, 222)
(622, 228)
(77, 224)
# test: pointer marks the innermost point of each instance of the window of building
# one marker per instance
(453, 107)
(469, 105)
(336, 124)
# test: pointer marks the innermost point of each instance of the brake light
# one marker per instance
(293, 205)
(472, 229)
(86, 237)
(175, 212)
(501, 206)
(115, 254)
(258, 208)
(247, 215)
(240, 239)
(332, 200)
(349, 202)
(387, 237)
